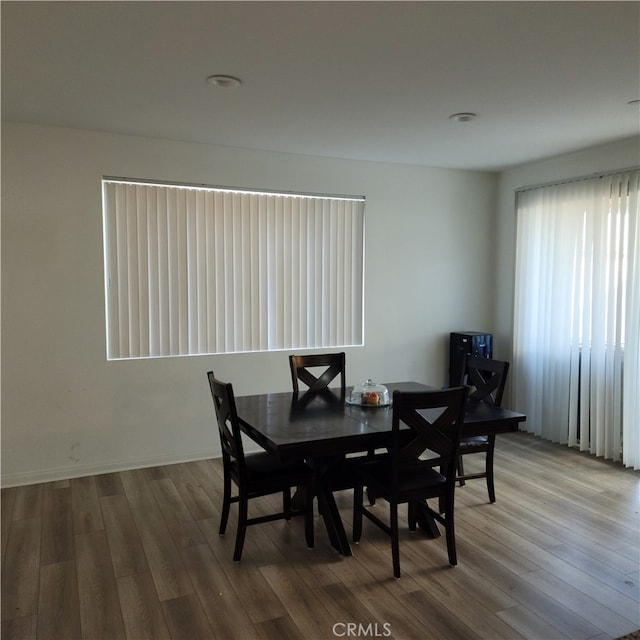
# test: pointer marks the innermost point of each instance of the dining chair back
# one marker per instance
(486, 379)
(228, 425)
(424, 422)
(317, 371)
(255, 475)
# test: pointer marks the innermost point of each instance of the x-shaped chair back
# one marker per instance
(486, 378)
(435, 419)
(227, 418)
(332, 366)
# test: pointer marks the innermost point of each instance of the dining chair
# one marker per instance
(486, 379)
(434, 420)
(256, 474)
(317, 372)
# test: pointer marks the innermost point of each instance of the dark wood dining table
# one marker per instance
(323, 427)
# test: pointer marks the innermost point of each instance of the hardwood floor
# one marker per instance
(137, 555)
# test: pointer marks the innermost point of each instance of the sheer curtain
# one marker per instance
(576, 358)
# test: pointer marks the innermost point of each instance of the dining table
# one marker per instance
(323, 427)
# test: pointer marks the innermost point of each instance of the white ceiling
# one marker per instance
(366, 80)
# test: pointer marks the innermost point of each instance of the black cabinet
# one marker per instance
(463, 344)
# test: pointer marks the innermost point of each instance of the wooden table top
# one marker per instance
(296, 427)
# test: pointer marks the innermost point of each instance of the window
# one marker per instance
(577, 314)
(199, 270)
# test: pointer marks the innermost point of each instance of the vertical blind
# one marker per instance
(577, 314)
(195, 270)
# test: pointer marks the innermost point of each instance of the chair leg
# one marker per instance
(243, 506)
(371, 496)
(411, 516)
(450, 533)
(460, 470)
(358, 496)
(226, 503)
(489, 468)
(395, 543)
(286, 503)
(308, 516)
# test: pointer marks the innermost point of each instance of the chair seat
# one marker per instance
(263, 465)
(474, 442)
(416, 478)
(344, 474)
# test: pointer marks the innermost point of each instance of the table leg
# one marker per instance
(297, 499)
(333, 522)
(327, 506)
(420, 515)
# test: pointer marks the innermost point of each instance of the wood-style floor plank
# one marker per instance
(283, 628)
(21, 573)
(28, 502)
(217, 596)
(529, 624)
(142, 612)
(20, 628)
(165, 563)
(475, 600)
(6, 515)
(100, 612)
(138, 488)
(127, 554)
(178, 518)
(136, 555)
(57, 525)
(254, 593)
(191, 491)
(541, 558)
(186, 619)
(305, 606)
(59, 606)
(109, 484)
(208, 475)
(429, 612)
(587, 607)
(538, 602)
(87, 515)
(346, 607)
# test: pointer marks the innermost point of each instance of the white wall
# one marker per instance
(621, 154)
(66, 411)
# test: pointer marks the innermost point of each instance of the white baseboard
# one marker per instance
(66, 473)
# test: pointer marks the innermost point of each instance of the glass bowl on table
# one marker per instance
(369, 394)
